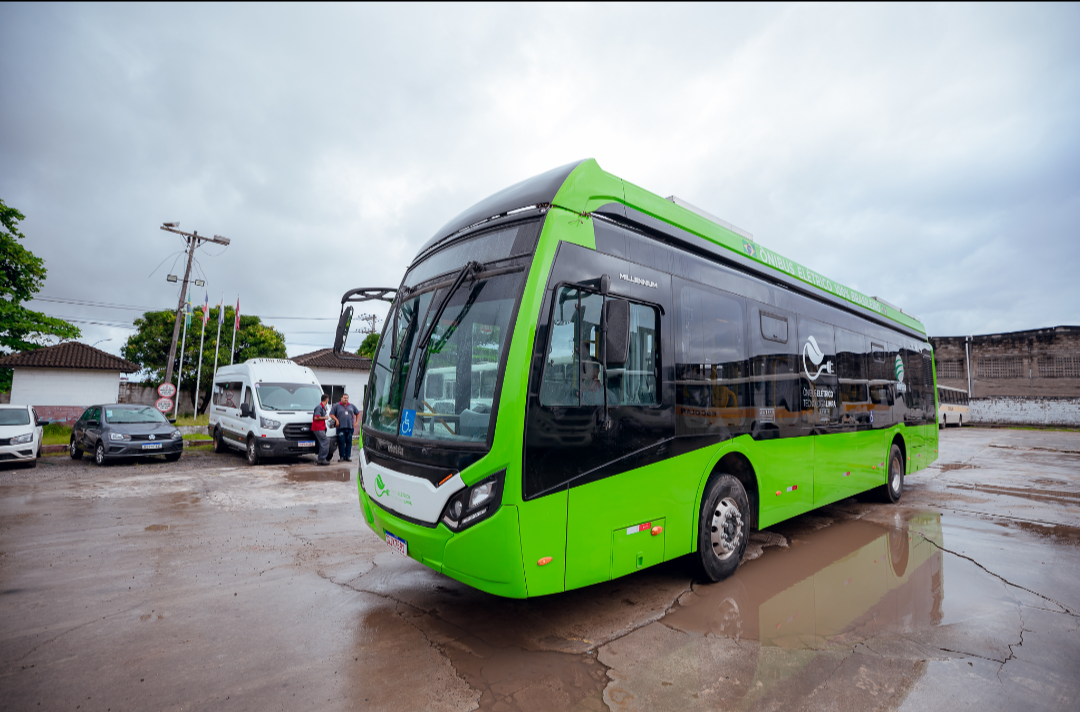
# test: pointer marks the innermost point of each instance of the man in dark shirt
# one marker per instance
(345, 414)
(318, 429)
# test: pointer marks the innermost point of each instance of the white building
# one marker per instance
(63, 380)
(338, 375)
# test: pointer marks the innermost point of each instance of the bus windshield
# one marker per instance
(457, 366)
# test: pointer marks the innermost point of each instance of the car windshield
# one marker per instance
(458, 366)
(288, 396)
(14, 416)
(118, 416)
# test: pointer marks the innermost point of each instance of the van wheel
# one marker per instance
(75, 452)
(219, 443)
(723, 527)
(252, 454)
(893, 488)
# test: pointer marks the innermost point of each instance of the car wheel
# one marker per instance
(893, 488)
(723, 527)
(99, 454)
(73, 450)
(252, 453)
(219, 442)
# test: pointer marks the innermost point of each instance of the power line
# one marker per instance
(132, 307)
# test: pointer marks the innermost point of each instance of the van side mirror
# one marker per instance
(342, 334)
(246, 411)
(617, 336)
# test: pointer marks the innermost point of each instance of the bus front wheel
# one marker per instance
(723, 527)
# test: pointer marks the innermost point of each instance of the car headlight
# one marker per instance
(28, 437)
(176, 434)
(119, 436)
(267, 424)
(474, 504)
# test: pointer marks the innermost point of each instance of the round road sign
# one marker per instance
(166, 390)
(164, 404)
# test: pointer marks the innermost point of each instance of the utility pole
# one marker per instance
(371, 320)
(193, 240)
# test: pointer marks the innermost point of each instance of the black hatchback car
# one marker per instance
(124, 430)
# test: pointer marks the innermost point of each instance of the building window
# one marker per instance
(951, 369)
(1000, 367)
(1059, 367)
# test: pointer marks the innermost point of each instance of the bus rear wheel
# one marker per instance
(893, 488)
(723, 527)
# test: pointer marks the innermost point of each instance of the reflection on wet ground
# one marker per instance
(232, 587)
(851, 581)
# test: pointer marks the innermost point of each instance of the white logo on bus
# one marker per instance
(812, 351)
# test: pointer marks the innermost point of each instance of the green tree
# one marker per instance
(368, 346)
(22, 274)
(148, 347)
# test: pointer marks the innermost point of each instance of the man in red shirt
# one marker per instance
(318, 429)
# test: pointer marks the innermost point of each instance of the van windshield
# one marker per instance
(288, 396)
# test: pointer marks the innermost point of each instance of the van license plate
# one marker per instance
(399, 545)
(306, 443)
(151, 446)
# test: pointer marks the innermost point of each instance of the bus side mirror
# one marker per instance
(344, 322)
(617, 337)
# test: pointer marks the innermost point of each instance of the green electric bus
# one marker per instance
(578, 379)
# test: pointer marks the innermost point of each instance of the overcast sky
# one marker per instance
(929, 155)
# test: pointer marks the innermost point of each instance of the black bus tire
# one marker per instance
(893, 489)
(723, 527)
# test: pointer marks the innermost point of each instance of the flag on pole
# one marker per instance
(187, 312)
(206, 310)
(236, 325)
(220, 321)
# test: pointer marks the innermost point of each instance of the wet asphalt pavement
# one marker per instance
(207, 584)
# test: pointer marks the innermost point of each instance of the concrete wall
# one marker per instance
(136, 393)
(62, 386)
(1039, 363)
(1026, 411)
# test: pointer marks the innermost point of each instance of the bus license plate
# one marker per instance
(306, 443)
(151, 446)
(399, 545)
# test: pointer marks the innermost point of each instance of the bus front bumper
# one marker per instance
(486, 556)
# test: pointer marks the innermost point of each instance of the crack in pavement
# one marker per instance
(1063, 607)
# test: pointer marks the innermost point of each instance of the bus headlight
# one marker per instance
(474, 504)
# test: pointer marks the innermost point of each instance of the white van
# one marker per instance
(263, 407)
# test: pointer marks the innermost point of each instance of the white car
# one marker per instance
(20, 434)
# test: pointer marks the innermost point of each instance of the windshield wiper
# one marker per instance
(470, 270)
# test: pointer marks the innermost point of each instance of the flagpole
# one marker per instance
(236, 325)
(217, 339)
(198, 377)
(179, 370)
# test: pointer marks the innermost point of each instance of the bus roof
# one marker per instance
(584, 188)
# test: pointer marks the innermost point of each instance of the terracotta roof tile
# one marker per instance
(325, 358)
(70, 354)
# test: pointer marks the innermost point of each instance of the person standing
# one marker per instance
(346, 416)
(318, 429)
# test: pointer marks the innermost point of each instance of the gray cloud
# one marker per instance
(927, 155)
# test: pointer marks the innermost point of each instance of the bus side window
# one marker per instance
(559, 386)
(636, 383)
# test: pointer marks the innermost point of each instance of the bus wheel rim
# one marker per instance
(726, 528)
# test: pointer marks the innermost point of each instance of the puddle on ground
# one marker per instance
(158, 528)
(1057, 533)
(948, 466)
(317, 474)
(849, 582)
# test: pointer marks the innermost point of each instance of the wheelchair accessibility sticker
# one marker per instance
(408, 417)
